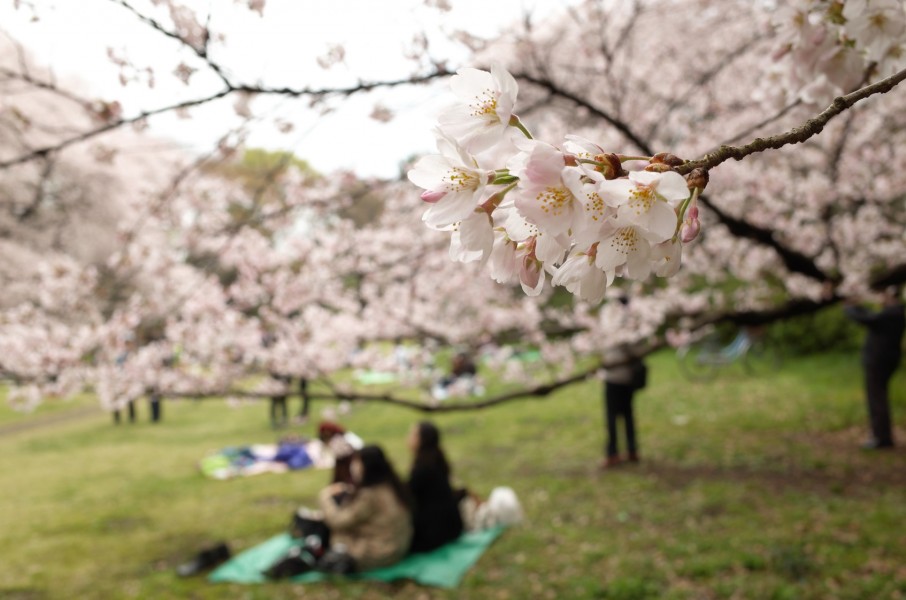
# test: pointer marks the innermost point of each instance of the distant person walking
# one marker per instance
(621, 381)
(881, 355)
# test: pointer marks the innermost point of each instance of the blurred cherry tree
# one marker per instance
(589, 154)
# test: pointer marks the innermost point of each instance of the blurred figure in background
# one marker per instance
(881, 355)
(435, 516)
(621, 381)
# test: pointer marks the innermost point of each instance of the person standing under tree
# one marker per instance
(881, 355)
(279, 412)
(620, 385)
(305, 400)
(621, 381)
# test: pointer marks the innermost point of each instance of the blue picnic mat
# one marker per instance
(444, 567)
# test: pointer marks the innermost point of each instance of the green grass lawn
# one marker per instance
(748, 488)
(12, 417)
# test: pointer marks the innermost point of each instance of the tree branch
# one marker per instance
(893, 276)
(285, 91)
(704, 77)
(797, 135)
(48, 86)
(790, 309)
(202, 52)
(110, 126)
(767, 121)
(617, 124)
(793, 260)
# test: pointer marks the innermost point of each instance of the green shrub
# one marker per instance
(828, 329)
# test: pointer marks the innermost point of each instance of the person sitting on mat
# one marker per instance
(435, 517)
(342, 444)
(369, 520)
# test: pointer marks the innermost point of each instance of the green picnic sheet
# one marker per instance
(444, 567)
(375, 377)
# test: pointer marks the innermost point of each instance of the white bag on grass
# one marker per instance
(501, 509)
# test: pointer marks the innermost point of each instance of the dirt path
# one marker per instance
(54, 419)
(846, 470)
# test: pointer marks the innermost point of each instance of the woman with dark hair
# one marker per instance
(342, 444)
(369, 520)
(436, 518)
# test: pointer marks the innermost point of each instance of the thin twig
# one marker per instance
(284, 91)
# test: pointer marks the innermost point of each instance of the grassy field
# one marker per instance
(748, 488)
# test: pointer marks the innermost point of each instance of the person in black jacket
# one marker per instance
(436, 518)
(880, 358)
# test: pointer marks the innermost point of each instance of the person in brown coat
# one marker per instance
(369, 520)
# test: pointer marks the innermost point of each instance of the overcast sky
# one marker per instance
(281, 50)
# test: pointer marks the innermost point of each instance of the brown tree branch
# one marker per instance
(797, 135)
(541, 391)
(537, 391)
(766, 121)
(724, 62)
(201, 52)
(26, 77)
(284, 91)
(892, 276)
(555, 90)
(793, 260)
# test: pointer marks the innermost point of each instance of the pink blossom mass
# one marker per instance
(575, 163)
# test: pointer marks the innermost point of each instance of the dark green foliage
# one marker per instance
(822, 331)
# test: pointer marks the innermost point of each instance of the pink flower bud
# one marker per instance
(530, 272)
(691, 226)
(432, 197)
(690, 231)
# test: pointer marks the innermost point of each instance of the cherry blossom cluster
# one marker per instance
(529, 209)
(829, 47)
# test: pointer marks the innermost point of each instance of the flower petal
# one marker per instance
(661, 221)
(451, 208)
(672, 186)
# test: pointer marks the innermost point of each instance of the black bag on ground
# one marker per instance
(205, 560)
(295, 562)
(303, 525)
(336, 562)
(639, 374)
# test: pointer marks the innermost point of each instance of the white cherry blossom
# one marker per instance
(476, 236)
(647, 200)
(628, 247)
(875, 25)
(582, 277)
(454, 184)
(666, 258)
(547, 191)
(503, 263)
(489, 102)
